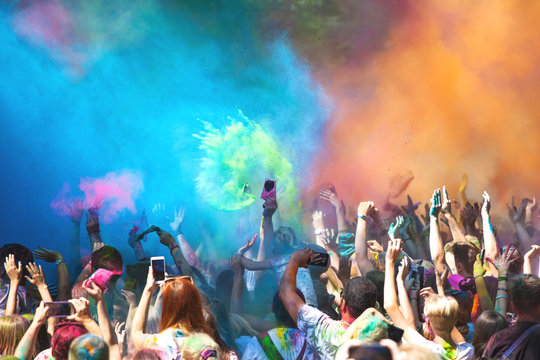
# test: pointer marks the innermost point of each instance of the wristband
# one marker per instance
(318, 231)
(363, 217)
(59, 261)
(175, 247)
(502, 278)
(502, 289)
(501, 297)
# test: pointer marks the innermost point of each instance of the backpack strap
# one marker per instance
(518, 342)
(269, 347)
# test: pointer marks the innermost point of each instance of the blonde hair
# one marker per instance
(12, 329)
(197, 342)
(442, 312)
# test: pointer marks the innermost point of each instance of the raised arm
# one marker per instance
(446, 209)
(483, 295)
(76, 212)
(332, 198)
(176, 226)
(141, 314)
(404, 303)
(179, 260)
(502, 264)
(28, 342)
(92, 226)
(529, 255)
(490, 243)
(267, 230)
(365, 209)
(255, 265)
(37, 278)
(14, 273)
(103, 320)
(287, 288)
(322, 237)
(82, 316)
(50, 256)
(435, 240)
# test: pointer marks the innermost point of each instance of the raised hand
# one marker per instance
(166, 239)
(393, 250)
(13, 270)
(92, 222)
(36, 277)
(331, 197)
(236, 264)
(534, 252)
(394, 227)
(76, 211)
(435, 203)
(404, 269)
(426, 292)
(130, 297)
(503, 262)
(151, 284)
(440, 278)
(81, 307)
(176, 224)
(478, 267)
(93, 290)
(41, 314)
(365, 208)
(411, 207)
(486, 205)
(375, 246)
(517, 216)
(47, 255)
(270, 206)
(95, 205)
(317, 220)
(120, 331)
(248, 246)
(301, 257)
(470, 214)
(446, 205)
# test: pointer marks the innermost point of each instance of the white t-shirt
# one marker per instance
(288, 342)
(464, 351)
(303, 278)
(323, 334)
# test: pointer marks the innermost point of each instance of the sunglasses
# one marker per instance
(174, 278)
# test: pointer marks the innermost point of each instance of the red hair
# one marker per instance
(182, 307)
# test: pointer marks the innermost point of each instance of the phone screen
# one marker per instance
(319, 259)
(59, 308)
(158, 268)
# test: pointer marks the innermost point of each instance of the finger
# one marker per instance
(512, 253)
(491, 261)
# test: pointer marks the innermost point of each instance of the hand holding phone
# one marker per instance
(319, 259)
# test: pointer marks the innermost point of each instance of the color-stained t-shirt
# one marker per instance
(303, 278)
(323, 334)
(169, 341)
(288, 342)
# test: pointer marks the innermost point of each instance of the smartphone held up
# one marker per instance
(158, 268)
(59, 309)
(269, 190)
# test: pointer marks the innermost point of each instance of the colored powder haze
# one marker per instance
(99, 96)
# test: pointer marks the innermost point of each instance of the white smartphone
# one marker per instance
(158, 268)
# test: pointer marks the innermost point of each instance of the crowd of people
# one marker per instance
(391, 283)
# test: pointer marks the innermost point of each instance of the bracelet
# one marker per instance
(502, 289)
(175, 247)
(59, 261)
(318, 231)
(501, 297)
(502, 278)
(363, 217)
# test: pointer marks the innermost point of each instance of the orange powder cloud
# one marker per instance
(456, 89)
